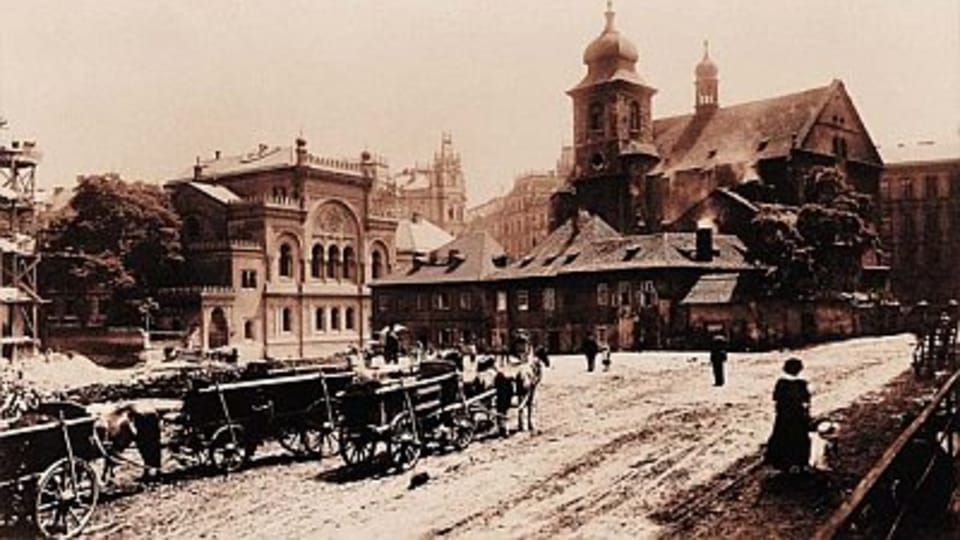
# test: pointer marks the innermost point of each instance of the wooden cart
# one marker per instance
(405, 417)
(45, 472)
(222, 425)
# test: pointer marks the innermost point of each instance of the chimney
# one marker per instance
(197, 170)
(216, 154)
(454, 258)
(704, 244)
(301, 150)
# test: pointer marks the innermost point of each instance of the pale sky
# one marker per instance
(141, 88)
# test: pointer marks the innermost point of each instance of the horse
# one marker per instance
(131, 423)
(520, 380)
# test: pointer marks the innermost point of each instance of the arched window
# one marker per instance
(333, 262)
(286, 261)
(349, 263)
(316, 261)
(335, 318)
(319, 320)
(596, 117)
(286, 320)
(349, 318)
(376, 264)
(634, 116)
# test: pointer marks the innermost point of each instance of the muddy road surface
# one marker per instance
(609, 449)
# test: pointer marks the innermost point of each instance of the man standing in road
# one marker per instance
(718, 357)
(391, 346)
(590, 350)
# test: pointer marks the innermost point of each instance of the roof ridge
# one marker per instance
(756, 101)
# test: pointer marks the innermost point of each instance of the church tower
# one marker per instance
(706, 84)
(612, 129)
(448, 189)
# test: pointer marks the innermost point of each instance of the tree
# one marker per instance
(815, 249)
(116, 236)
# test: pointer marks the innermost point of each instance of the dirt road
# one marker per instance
(609, 450)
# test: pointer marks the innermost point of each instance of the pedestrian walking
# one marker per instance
(718, 357)
(391, 346)
(590, 350)
(606, 357)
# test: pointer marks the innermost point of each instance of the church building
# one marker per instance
(642, 174)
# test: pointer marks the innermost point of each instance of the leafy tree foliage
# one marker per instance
(117, 236)
(816, 249)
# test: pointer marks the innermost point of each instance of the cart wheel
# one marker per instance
(228, 449)
(291, 439)
(463, 431)
(320, 440)
(355, 449)
(403, 446)
(67, 495)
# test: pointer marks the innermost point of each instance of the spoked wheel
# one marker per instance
(290, 438)
(403, 446)
(355, 449)
(67, 495)
(228, 449)
(319, 439)
(463, 431)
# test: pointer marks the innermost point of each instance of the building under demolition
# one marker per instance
(19, 300)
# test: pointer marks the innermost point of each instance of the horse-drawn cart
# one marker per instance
(223, 424)
(404, 417)
(45, 471)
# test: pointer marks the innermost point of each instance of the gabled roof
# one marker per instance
(218, 193)
(744, 133)
(569, 245)
(419, 235)
(469, 257)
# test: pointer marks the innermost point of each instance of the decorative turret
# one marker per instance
(706, 84)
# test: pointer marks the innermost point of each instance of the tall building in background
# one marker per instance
(920, 219)
(436, 193)
(519, 220)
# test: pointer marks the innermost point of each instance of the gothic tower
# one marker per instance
(612, 129)
(448, 192)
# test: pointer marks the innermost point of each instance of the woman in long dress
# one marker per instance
(789, 446)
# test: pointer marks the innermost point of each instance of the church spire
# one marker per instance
(610, 14)
(707, 84)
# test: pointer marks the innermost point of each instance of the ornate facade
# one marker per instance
(281, 245)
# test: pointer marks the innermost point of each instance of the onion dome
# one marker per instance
(706, 69)
(610, 45)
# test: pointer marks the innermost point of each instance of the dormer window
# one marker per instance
(712, 154)
(596, 117)
(571, 257)
(762, 145)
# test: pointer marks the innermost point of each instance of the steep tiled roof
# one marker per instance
(218, 193)
(420, 236)
(598, 248)
(469, 257)
(738, 134)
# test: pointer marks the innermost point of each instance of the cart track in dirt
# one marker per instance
(609, 451)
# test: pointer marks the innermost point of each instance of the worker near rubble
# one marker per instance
(718, 357)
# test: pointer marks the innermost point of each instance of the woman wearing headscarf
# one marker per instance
(788, 448)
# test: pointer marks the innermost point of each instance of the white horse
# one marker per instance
(520, 380)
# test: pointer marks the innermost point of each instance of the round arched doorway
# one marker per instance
(219, 332)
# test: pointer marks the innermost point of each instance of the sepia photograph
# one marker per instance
(513, 269)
